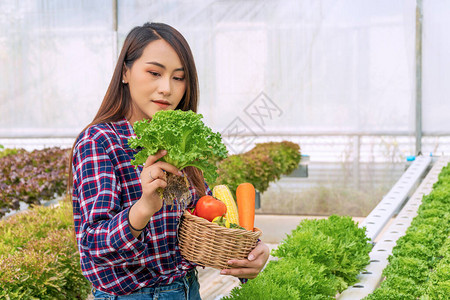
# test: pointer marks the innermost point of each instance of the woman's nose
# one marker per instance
(164, 86)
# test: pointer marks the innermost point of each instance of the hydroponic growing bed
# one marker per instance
(318, 259)
(387, 249)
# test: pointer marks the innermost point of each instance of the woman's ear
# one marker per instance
(125, 74)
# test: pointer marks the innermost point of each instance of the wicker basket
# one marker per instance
(211, 245)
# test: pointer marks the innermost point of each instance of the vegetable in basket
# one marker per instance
(223, 193)
(209, 208)
(188, 142)
(245, 196)
(222, 221)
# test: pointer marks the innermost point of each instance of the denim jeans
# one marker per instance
(183, 288)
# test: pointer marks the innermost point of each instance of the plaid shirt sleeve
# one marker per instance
(102, 230)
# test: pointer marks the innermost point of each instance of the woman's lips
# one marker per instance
(161, 103)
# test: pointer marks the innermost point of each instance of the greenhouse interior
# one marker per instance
(324, 135)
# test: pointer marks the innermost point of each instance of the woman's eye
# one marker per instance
(179, 78)
(154, 73)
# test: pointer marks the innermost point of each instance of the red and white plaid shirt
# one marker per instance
(105, 185)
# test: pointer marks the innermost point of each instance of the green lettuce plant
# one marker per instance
(420, 262)
(263, 164)
(188, 142)
(8, 151)
(318, 259)
(38, 256)
(438, 286)
(336, 242)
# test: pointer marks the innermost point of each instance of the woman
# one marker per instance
(127, 237)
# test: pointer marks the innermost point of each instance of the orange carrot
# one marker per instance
(245, 198)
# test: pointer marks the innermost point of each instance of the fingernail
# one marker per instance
(223, 272)
(164, 152)
(180, 173)
(251, 257)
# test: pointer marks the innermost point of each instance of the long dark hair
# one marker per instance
(117, 103)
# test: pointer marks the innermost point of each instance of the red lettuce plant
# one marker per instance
(32, 177)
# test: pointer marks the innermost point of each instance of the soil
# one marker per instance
(177, 188)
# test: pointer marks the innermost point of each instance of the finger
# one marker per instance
(256, 254)
(150, 189)
(168, 167)
(158, 183)
(152, 174)
(259, 250)
(153, 158)
(240, 272)
(243, 263)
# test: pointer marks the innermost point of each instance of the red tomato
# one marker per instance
(209, 207)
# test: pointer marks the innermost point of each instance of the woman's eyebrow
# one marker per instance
(162, 66)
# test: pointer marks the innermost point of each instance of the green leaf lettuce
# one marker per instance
(188, 141)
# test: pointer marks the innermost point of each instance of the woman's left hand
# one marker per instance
(250, 267)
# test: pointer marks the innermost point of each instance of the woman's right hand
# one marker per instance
(152, 177)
